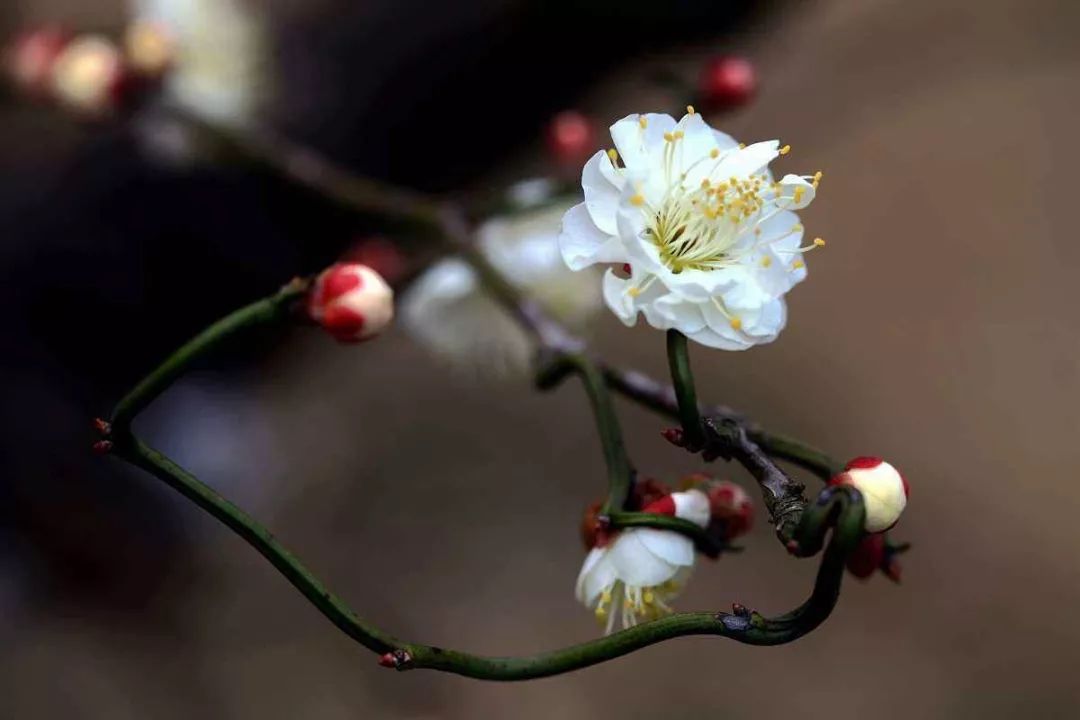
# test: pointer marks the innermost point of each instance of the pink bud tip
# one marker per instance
(571, 137)
(674, 436)
(102, 426)
(102, 447)
(389, 660)
(727, 82)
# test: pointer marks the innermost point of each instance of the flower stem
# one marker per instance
(141, 455)
(683, 379)
(263, 312)
(620, 473)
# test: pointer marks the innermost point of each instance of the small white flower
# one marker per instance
(709, 238)
(447, 310)
(219, 55)
(635, 576)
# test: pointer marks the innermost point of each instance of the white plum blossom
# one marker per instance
(705, 240)
(219, 55)
(634, 577)
(447, 310)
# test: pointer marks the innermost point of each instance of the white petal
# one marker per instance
(671, 311)
(636, 564)
(692, 505)
(641, 148)
(671, 547)
(749, 160)
(788, 186)
(618, 298)
(582, 243)
(597, 573)
(601, 194)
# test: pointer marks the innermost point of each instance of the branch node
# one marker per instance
(396, 659)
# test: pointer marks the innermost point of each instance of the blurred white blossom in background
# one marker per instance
(448, 311)
(220, 70)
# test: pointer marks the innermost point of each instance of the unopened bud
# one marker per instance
(884, 490)
(30, 59)
(150, 48)
(89, 76)
(352, 302)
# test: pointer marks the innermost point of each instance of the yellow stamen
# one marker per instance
(614, 155)
(669, 137)
(766, 261)
(714, 153)
(679, 134)
(785, 150)
(736, 323)
(643, 121)
(819, 242)
(690, 110)
(798, 265)
(637, 200)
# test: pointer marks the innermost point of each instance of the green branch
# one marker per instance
(685, 394)
(263, 312)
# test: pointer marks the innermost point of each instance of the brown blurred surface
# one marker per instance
(938, 329)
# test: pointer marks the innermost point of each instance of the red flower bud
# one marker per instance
(868, 556)
(727, 82)
(884, 490)
(571, 137)
(29, 60)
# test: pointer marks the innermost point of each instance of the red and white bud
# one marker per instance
(732, 509)
(150, 48)
(29, 60)
(884, 490)
(352, 302)
(89, 76)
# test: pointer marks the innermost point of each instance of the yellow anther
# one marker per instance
(669, 137)
(799, 192)
(690, 110)
(742, 145)
(818, 175)
(736, 323)
(714, 153)
(634, 292)
(648, 597)
(643, 121)
(796, 227)
(679, 134)
(785, 150)
(797, 265)
(614, 155)
(705, 184)
(637, 200)
(766, 261)
(819, 242)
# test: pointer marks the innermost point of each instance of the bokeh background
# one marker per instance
(938, 329)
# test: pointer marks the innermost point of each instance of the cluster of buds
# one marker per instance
(351, 301)
(726, 82)
(90, 75)
(722, 507)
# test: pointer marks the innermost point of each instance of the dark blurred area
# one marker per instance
(938, 330)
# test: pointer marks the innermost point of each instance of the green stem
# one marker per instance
(137, 453)
(702, 539)
(620, 473)
(263, 312)
(686, 397)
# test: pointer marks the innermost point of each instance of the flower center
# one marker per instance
(634, 603)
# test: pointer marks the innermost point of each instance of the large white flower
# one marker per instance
(636, 575)
(705, 239)
(448, 311)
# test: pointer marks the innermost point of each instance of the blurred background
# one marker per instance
(937, 329)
